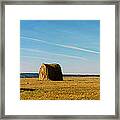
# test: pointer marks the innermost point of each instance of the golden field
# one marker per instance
(71, 88)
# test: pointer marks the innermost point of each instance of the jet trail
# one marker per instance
(70, 56)
(60, 45)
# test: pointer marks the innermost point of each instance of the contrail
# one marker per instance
(34, 50)
(34, 57)
(60, 45)
(81, 49)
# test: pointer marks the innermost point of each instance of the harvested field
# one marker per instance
(71, 88)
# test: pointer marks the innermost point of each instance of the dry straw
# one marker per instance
(50, 72)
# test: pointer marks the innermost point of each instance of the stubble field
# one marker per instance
(71, 88)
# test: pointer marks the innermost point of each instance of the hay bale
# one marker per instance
(50, 72)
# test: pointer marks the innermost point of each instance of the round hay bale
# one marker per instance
(50, 72)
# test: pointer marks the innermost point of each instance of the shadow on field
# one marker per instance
(27, 89)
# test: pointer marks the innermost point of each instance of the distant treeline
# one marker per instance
(87, 75)
(29, 75)
(36, 75)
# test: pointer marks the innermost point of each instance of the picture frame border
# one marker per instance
(55, 2)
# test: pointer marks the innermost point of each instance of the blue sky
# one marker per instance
(74, 44)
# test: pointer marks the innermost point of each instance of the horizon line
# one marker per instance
(69, 73)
